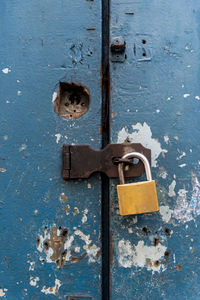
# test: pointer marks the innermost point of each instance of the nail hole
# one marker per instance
(156, 242)
(167, 231)
(145, 230)
(157, 263)
(167, 253)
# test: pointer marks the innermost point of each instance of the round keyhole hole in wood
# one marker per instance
(72, 100)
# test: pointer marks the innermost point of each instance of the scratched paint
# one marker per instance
(33, 281)
(141, 133)
(2, 292)
(141, 255)
(166, 213)
(187, 210)
(171, 192)
(37, 54)
(57, 245)
(6, 70)
(52, 290)
(156, 102)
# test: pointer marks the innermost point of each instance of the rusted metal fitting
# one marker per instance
(81, 161)
(118, 47)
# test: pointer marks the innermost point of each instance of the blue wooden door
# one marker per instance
(59, 239)
(50, 229)
(155, 100)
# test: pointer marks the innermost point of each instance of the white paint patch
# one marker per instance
(2, 292)
(3, 170)
(158, 111)
(5, 137)
(84, 237)
(54, 96)
(197, 97)
(166, 139)
(76, 210)
(52, 290)
(171, 192)
(182, 166)
(77, 249)
(22, 148)
(67, 246)
(163, 173)
(58, 137)
(89, 186)
(187, 210)
(84, 218)
(186, 95)
(181, 156)
(140, 255)
(166, 213)
(42, 238)
(19, 93)
(32, 265)
(142, 134)
(6, 70)
(91, 250)
(33, 281)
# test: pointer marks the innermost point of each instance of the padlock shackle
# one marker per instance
(139, 156)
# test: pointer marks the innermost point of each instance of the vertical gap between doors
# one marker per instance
(105, 140)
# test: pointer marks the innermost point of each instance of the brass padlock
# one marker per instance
(138, 197)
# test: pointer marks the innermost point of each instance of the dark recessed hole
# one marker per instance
(156, 263)
(144, 41)
(38, 241)
(167, 253)
(46, 245)
(145, 230)
(65, 232)
(72, 100)
(156, 241)
(64, 252)
(167, 231)
(144, 54)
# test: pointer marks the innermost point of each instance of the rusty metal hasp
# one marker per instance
(81, 161)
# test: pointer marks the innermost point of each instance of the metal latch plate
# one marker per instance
(81, 161)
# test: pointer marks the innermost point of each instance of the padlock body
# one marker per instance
(137, 198)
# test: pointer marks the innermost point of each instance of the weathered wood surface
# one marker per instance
(50, 229)
(156, 101)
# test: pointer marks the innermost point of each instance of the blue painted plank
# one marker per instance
(42, 43)
(156, 101)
